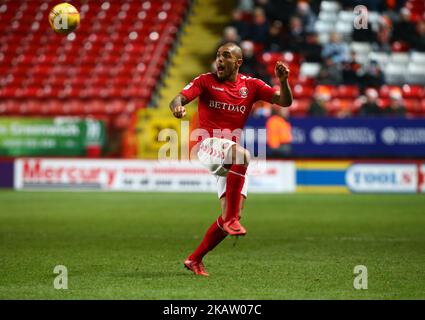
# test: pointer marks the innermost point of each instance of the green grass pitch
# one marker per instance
(131, 246)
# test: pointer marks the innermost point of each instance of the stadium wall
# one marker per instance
(333, 176)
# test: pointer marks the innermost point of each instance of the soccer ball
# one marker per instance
(64, 18)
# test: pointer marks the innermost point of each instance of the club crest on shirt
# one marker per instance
(243, 92)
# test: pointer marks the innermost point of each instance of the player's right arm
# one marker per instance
(190, 92)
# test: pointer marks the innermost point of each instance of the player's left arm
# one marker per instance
(284, 97)
(177, 106)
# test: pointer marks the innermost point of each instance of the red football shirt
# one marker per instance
(224, 104)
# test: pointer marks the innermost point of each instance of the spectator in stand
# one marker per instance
(372, 75)
(330, 73)
(279, 134)
(311, 49)
(307, 16)
(295, 37)
(250, 65)
(290, 30)
(318, 104)
(230, 34)
(418, 39)
(277, 9)
(392, 9)
(350, 70)
(383, 37)
(371, 5)
(396, 107)
(246, 5)
(260, 27)
(336, 50)
(275, 39)
(239, 24)
(370, 106)
(364, 35)
(404, 28)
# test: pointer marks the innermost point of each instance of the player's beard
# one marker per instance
(221, 73)
(226, 73)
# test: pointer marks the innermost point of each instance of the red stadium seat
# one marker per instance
(422, 107)
(330, 89)
(399, 46)
(258, 49)
(385, 90)
(3, 108)
(383, 102)
(356, 106)
(347, 91)
(299, 107)
(56, 108)
(412, 106)
(337, 107)
(303, 80)
(300, 91)
(411, 91)
(12, 107)
(270, 57)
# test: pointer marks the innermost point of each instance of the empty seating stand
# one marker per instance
(111, 64)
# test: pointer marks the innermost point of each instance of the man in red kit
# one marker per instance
(225, 101)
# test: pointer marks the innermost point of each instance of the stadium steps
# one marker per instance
(195, 53)
(193, 56)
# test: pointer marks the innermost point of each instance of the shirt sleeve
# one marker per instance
(193, 89)
(264, 91)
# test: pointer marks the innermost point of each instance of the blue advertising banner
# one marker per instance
(354, 137)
